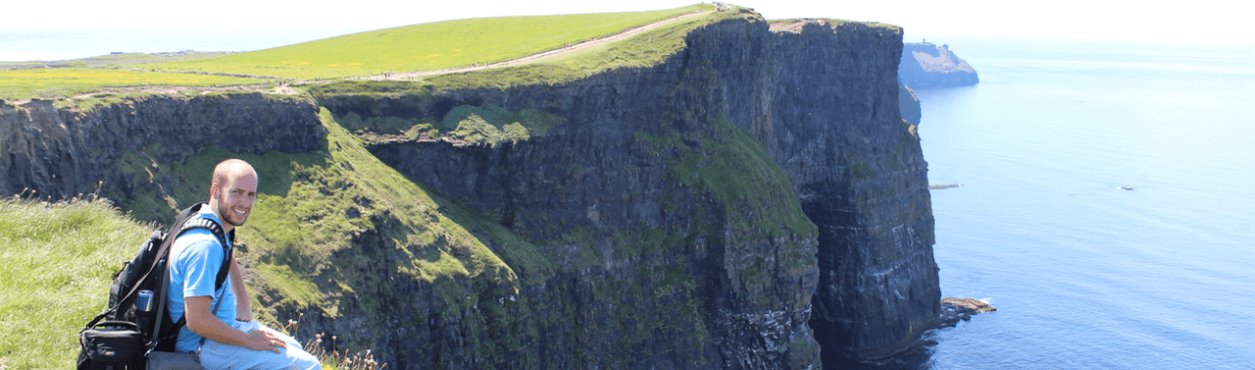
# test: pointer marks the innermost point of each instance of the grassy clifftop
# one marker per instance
(420, 47)
(427, 46)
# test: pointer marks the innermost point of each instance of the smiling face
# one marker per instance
(232, 192)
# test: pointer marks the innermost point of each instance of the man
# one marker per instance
(231, 339)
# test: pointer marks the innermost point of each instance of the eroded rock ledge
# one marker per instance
(955, 309)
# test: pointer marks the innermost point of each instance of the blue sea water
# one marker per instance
(1086, 275)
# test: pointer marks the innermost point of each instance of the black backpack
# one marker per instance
(130, 328)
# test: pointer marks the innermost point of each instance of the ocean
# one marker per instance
(1086, 275)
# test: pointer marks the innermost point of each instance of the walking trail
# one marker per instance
(542, 56)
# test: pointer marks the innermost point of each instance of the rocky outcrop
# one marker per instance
(61, 153)
(954, 309)
(925, 65)
(908, 104)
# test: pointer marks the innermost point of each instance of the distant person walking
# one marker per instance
(220, 323)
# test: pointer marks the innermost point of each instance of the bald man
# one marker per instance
(227, 338)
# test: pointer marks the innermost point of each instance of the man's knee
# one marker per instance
(303, 360)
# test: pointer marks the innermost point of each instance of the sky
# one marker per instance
(35, 30)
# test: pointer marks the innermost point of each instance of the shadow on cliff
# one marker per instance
(917, 357)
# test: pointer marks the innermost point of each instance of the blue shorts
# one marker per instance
(216, 356)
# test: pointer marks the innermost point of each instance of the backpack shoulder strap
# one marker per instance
(186, 221)
(216, 229)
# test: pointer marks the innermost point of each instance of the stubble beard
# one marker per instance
(229, 216)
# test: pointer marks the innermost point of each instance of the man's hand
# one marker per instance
(261, 340)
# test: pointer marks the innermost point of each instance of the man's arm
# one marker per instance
(203, 322)
(243, 303)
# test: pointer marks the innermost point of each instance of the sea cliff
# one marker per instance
(748, 203)
(926, 65)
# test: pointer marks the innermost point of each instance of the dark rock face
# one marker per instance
(823, 103)
(908, 104)
(860, 175)
(61, 153)
(925, 65)
(701, 255)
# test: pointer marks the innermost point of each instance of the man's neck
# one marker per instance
(209, 209)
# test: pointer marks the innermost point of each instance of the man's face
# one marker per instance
(235, 198)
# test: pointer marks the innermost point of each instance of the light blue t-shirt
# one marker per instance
(195, 259)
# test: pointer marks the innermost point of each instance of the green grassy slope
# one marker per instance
(640, 51)
(428, 46)
(315, 211)
(55, 275)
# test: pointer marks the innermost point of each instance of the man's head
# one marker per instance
(232, 191)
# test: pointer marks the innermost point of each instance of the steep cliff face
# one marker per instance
(926, 65)
(61, 153)
(827, 113)
(822, 101)
(678, 243)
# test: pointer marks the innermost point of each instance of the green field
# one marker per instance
(18, 84)
(427, 46)
(640, 51)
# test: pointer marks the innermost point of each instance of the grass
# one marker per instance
(332, 360)
(494, 125)
(58, 258)
(645, 50)
(641, 51)
(427, 46)
(53, 83)
(732, 166)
